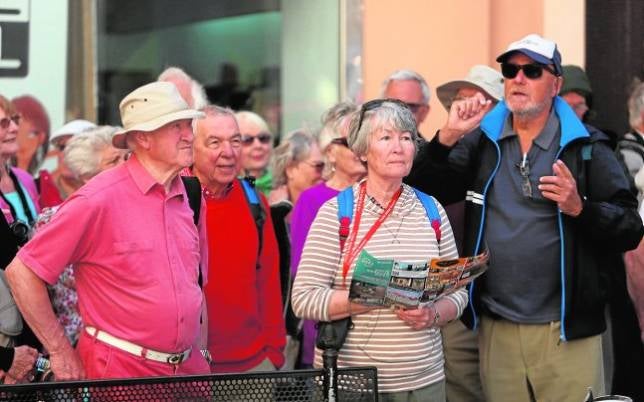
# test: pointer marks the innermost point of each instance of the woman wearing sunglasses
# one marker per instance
(342, 169)
(18, 194)
(297, 165)
(390, 223)
(18, 202)
(257, 147)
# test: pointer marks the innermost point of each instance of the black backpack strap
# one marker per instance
(193, 190)
(256, 209)
(23, 200)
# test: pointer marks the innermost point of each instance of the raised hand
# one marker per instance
(464, 116)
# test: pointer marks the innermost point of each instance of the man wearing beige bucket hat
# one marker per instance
(130, 234)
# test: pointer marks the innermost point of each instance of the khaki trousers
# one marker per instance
(461, 349)
(431, 393)
(524, 363)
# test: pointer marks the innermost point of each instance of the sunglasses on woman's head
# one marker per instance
(532, 71)
(263, 138)
(6, 121)
(375, 104)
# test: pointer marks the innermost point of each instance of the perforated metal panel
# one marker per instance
(359, 384)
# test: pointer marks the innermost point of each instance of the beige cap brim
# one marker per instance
(447, 91)
(119, 137)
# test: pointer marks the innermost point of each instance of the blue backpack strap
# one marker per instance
(257, 211)
(249, 190)
(345, 213)
(432, 212)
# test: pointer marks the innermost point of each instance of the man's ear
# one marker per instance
(558, 84)
(142, 139)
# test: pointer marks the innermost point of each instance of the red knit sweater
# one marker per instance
(245, 323)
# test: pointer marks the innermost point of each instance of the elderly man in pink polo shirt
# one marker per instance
(131, 236)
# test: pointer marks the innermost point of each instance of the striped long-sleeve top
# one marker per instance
(406, 359)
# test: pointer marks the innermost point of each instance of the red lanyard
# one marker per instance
(352, 248)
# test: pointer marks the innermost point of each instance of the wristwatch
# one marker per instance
(206, 354)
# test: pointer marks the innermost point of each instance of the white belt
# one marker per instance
(171, 358)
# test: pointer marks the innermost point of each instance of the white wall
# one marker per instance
(310, 61)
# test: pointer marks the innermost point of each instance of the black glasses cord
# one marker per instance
(21, 196)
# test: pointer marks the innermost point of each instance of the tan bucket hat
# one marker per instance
(482, 77)
(149, 107)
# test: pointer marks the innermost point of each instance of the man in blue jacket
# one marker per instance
(546, 196)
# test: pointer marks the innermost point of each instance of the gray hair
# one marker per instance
(295, 147)
(213, 110)
(253, 118)
(82, 152)
(636, 105)
(388, 114)
(407, 75)
(332, 121)
(197, 91)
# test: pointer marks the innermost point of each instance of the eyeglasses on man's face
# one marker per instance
(532, 71)
(6, 121)
(263, 138)
(414, 107)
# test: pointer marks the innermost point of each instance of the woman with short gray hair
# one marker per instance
(392, 224)
(297, 165)
(91, 152)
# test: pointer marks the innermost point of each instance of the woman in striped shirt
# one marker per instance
(404, 344)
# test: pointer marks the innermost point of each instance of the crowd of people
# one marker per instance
(191, 241)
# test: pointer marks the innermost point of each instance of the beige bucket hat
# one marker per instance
(482, 77)
(150, 107)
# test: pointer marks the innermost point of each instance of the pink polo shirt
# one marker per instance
(136, 254)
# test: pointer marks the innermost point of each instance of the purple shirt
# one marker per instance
(302, 217)
(303, 214)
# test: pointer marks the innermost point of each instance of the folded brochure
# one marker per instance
(379, 282)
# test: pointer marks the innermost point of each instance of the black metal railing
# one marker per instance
(353, 384)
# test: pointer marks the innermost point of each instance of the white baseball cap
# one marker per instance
(541, 50)
(70, 129)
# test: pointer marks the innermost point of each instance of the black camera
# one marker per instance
(20, 232)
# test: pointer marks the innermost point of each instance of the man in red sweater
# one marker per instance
(245, 324)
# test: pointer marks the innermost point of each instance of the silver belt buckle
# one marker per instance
(178, 358)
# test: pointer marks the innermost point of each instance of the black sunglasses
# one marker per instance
(375, 104)
(532, 71)
(263, 138)
(340, 141)
(6, 121)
